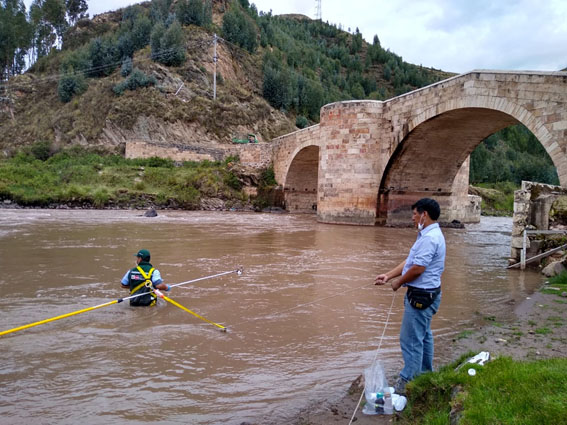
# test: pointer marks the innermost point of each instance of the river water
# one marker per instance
(304, 318)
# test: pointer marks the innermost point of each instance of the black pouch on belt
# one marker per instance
(421, 298)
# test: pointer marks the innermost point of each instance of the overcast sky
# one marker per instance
(452, 35)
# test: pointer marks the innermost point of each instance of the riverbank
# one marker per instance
(538, 331)
(78, 179)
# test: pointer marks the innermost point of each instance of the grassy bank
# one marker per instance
(503, 391)
(78, 178)
(529, 389)
(497, 198)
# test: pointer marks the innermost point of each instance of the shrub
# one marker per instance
(267, 178)
(231, 180)
(70, 85)
(240, 29)
(126, 67)
(168, 44)
(136, 79)
(41, 150)
(301, 122)
(103, 55)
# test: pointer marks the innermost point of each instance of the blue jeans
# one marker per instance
(416, 339)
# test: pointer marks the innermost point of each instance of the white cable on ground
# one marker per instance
(375, 356)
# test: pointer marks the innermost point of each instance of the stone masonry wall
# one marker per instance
(352, 159)
(253, 155)
(364, 143)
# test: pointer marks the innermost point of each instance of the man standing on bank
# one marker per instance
(421, 274)
(142, 279)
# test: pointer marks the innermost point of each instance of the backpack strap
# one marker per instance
(147, 282)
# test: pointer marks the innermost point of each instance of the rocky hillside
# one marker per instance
(177, 108)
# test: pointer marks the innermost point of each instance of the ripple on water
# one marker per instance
(304, 319)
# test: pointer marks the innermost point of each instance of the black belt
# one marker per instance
(432, 290)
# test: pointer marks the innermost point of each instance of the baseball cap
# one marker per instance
(143, 253)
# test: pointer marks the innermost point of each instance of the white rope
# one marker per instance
(375, 356)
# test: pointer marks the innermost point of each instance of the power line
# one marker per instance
(85, 71)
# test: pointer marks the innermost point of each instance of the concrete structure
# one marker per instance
(532, 206)
(368, 161)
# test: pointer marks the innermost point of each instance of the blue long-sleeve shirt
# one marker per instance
(428, 251)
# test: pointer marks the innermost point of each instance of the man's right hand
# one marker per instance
(381, 279)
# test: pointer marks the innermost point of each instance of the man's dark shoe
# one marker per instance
(400, 386)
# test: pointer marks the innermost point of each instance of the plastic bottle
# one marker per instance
(388, 406)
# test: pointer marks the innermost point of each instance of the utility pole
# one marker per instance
(318, 14)
(215, 59)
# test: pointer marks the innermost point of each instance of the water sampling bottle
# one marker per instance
(388, 405)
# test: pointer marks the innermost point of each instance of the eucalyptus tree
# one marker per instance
(76, 10)
(15, 37)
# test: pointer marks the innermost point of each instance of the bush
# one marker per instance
(190, 12)
(267, 178)
(103, 56)
(70, 85)
(240, 29)
(136, 79)
(126, 67)
(41, 150)
(231, 180)
(301, 122)
(168, 44)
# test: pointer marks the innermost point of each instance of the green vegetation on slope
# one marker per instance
(512, 155)
(81, 179)
(295, 64)
(502, 161)
(309, 63)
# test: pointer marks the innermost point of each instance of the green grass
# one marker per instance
(464, 334)
(503, 391)
(556, 284)
(82, 178)
(497, 198)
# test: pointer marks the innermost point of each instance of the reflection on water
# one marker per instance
(304, 319)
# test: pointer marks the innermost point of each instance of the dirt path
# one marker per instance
(539, 331)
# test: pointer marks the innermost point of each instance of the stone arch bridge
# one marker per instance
(366, 162)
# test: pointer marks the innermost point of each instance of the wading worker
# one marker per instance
(142, 279)
(421, 274)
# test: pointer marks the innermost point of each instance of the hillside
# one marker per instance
(95, 92)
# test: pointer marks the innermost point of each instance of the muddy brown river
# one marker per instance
(304, 318)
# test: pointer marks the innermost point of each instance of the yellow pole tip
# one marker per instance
(223, 329)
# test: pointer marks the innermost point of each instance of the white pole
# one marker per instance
(215, 69)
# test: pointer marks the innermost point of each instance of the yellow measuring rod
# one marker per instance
(84, 310)
(63, 316)
(175, 303)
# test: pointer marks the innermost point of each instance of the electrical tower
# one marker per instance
(318, 10)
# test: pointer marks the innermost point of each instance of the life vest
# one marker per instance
(140, 281)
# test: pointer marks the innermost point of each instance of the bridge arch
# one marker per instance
(301, 179)
(432, 158)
